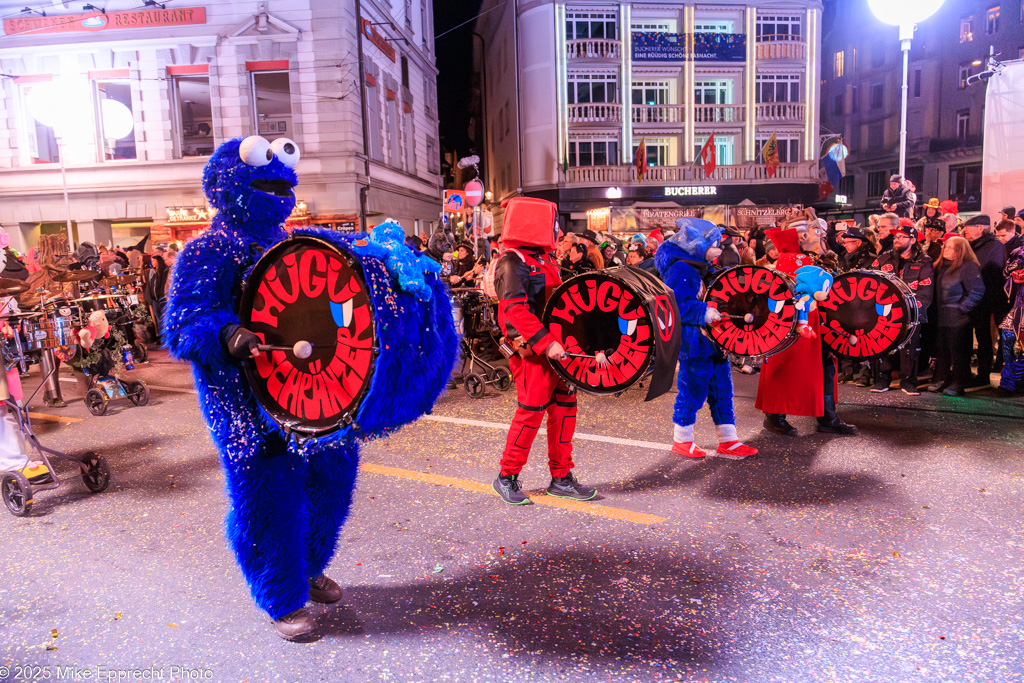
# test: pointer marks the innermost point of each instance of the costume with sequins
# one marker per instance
(289, 500)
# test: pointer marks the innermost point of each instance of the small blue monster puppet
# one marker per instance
(704, 373)
(290, 499)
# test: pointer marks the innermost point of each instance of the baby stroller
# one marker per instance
(102, 362)
(474, 318)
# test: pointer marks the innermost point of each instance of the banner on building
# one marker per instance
(101, 21)
(764, 216)
(671, 47)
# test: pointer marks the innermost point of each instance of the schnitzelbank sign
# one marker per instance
(671, 47)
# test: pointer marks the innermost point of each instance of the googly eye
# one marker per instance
(286, 150)
(255, 151)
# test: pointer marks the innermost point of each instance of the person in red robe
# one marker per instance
(802, 379)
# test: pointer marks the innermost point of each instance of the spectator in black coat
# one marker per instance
(1006, 232)
(959, 289)
(857, 253)
(887, 224)
(576, 261)
(991, 257)
(897, 199)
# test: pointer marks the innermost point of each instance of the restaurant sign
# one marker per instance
(98, 21)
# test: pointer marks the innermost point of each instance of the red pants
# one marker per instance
(540, 390)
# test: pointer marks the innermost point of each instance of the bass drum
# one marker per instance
(868, 314)
(626, 313)
(758, 311)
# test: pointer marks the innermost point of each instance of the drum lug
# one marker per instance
(350, 422)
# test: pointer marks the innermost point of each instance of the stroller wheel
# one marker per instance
(17, 493)
(95, 473)
(138, 392)
(502, 379)
(96, 402)
(139, 352)
(475, 385)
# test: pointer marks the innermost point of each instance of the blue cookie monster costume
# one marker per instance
(704, 372)
(290, 499)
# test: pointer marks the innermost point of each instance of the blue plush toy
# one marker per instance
(704, 373)
(289, 500)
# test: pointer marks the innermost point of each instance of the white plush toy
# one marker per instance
(98, 328)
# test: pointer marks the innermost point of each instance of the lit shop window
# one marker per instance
(778, 88)
(778, 27)
(967, 29)
(789, 147)
(593, 151)
(272, 104)
(194, 115)
(837, 64)
(724, 145)
(585, 25)
(585, 88)
(658, 151)
(117, 120)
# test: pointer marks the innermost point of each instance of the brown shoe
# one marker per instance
(295, 626)
(324, 589)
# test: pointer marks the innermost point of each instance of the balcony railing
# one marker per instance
(659, 113)
(595, 112)
(782, 49)
(780, 111)
(718, 113)
(594, 48)
(739, 173)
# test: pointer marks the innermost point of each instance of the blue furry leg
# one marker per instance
(330, 480)
(703, 380)
(266, 525)
(1012, 378)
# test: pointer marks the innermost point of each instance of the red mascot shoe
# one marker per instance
(735, 450)
(688, 448)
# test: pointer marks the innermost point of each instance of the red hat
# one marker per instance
(948, 235)
(907, 229)
(657, 234)
(529, 222)
(786, 240)
(949, 206)
(906, 222)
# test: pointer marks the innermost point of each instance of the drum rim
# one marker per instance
(790, 338)
(249, 365)
(913, 314)
(646, 368)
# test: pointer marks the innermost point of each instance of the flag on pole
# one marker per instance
(708, 157)
(770, 155)
(825, 187)
(839, 152)
(832, 171)
(641, 159)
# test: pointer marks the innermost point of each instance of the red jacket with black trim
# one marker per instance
(917, 272)
(523, 280)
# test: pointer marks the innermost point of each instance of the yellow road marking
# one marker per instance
(475, 486)
(54, 418)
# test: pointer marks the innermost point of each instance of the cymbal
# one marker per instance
(9, 287)
(124, 279)
(94, 297)
(25, 314)
(75, 275)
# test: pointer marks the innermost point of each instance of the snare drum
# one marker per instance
(868, 314)
(758, 311)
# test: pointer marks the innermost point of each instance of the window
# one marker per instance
(193, 115)
(878, 183)
(777, 27)
(712, 92)
(373, 122)
(1020, 53)
(965, 183)
(837, 105)
(433, 162)
(789, 147)
(583, 25)
(701, 26)
(409, 142)
(967, 29)
(837, 64)
(963, 124)
(650, 92)
(593, 151)
(657, 151)
(778, 88)
(847, 185)
(878, 54)
(876, 135)
(967, 69)
(117, 120)
(649, 26)
(41, 139)
(917, 82)
(854, 100)
(877, 96)
(391, 111)
(992, 20)
(723, 148)
(273, 104)
(583, 88)
(405, 71)
(915, 176)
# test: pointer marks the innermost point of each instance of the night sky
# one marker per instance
(455, 63)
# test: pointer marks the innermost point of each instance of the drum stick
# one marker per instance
(747, 318)
(301, 349)
(580, 355)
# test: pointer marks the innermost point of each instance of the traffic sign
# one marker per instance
(454, 201)
(474, 192)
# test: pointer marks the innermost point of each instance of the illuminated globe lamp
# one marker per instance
(117, 120)
(905, 14)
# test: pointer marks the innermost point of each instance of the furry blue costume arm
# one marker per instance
(198, 306)
(685, 283)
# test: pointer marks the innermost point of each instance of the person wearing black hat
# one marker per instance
(576, 261)
(991, 258)
(1007, 213)
(465, 267)
(897, 198)
(907, 261)
(589, 240)
(858, 253)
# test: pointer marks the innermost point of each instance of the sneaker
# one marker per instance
(879, 390)
(953, 390)
(863, 381)
(510, 490)
(568, 487)
(324, 590)
(295, 626)
(937, 387)
(747, 369)
(734, 450)
(688, 449)
(909, 389)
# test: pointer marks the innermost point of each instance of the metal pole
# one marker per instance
(67, 200)
(476, 230)
(906, 34)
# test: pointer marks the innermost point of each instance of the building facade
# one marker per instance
(596, 79)
(156, 87)
(861, 98)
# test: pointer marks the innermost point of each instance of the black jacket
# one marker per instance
(917, 272)
(992, 258)
(958, 293)
(901, 198)
(860, 259)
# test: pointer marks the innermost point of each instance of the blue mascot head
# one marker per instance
(250, 180)
(695, 237)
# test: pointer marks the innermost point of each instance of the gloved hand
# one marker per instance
(239, 342)
(712, 316)
(555, 352)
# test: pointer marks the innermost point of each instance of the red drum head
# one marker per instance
(306, 289)
(867, 314)
(758, 311)
(623, 312)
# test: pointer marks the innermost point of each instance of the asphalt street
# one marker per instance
(897, 555)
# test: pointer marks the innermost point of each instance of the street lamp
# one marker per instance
(904, 13)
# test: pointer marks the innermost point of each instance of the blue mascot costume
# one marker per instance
(704, 373)
(289, 499)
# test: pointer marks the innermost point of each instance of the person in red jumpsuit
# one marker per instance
(524, 278)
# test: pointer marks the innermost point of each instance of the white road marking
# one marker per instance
(653, 445)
